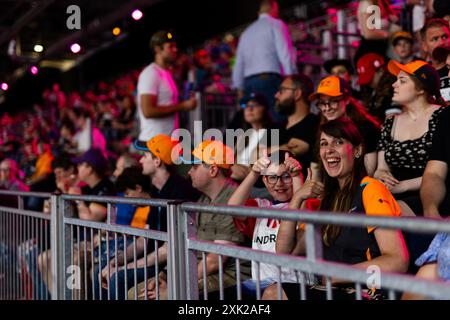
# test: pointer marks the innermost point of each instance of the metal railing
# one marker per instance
(72, 248)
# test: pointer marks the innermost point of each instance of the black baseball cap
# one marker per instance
(95, 158)
(161, 37)
(257, 97)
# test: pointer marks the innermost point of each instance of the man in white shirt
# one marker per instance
(265, 51)
(157, 97)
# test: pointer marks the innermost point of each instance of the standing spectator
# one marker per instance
(264, 52)
(157, 96)
(299, 133)
(436, 33)
(88, 136)
(374, 37)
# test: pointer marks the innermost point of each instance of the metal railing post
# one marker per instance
(313, 242)
(189, 230)
(57, 248)
(341, 39)
(173, 263)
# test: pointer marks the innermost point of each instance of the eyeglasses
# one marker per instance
(281, 89)
(250, 106)
(273, 178)
(332, 103)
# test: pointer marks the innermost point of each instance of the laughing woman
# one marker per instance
(334, 102)
(346, 188)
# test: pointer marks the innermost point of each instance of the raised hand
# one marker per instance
(292, 165)
(262, 163)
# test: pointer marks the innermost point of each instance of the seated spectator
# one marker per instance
(334, 102)
(9, 180)
(282, 177)
(124, 212)
(402, 43)
(436, 180)
(434, 263)
(67, 141)
(406, 139)
(346, 189)
(157, 165)
(256, 117)
(92, 169)
(376, 85)
(9, 176)
(342, 68)
(210, 175)
(443, 54)
(299, 133)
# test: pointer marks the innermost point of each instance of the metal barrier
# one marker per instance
(312, 263)
(73, 261)
(23, 235)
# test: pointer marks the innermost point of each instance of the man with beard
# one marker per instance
(299, 134)
(157, 96)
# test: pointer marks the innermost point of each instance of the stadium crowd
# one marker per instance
(375, 146)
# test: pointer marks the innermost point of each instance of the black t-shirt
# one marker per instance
(445, 83)
(104, 188)
(176, 188)
(305, 130)
(440, 151)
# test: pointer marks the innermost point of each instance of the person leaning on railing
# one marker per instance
(346, 188)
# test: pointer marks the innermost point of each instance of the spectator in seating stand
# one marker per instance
(124, 212)
(434, 264)
(376, 85)
(342, 68)
(299, 133)
(436, 33)
(258, 120)
(402, 44)
(281, 175)
(88, 136)
(157, 94)
(406, 141)
(92, 169)
(346, 189)
(210, 175)
(264, 52)
(334, 102)
(157, 167)
(443, 54)
(9, 176)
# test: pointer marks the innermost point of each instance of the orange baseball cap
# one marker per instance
(421, 70)
(160, 146)
(214, 152)
(367, 65)
(332, 86)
